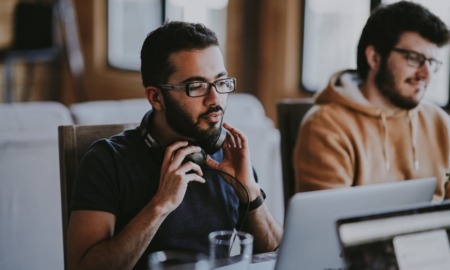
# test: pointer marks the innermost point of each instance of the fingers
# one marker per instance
(174, 161)
(190, 168)
(194, 177)
(211, 163)
(177, 152)
(170, 150)
(235, 138)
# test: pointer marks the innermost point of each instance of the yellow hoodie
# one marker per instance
(346, 141)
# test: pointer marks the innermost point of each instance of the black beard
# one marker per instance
(385, 82)
(181, 122)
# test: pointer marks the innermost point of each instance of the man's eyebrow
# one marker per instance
(202, 79)
(221, 74)
(194, 79)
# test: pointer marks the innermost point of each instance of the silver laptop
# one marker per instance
(415, 237)
(310, 239)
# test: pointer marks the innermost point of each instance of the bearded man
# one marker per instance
(371, 125)
(180, 175)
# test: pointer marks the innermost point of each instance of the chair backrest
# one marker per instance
(74, 140)
(290, 113)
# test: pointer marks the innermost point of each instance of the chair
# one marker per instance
(74, 140)
(35, 40)
(290, 113)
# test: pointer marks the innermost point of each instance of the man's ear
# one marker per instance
(155, 98)
(373, 58)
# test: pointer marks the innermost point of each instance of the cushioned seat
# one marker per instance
(30, 205)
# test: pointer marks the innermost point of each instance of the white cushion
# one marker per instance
(30, 200)
(110, 111)
(245, 110)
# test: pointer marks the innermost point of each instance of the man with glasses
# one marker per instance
(178, 176)
(371, 125)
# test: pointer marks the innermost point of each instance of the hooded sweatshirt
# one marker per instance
(344, 140)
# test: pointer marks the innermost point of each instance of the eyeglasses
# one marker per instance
(415, 59)
(199, 89)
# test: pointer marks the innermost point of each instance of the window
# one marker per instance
(340, 24)
(331, 34)
(129, 22)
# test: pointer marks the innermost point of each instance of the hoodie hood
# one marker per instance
(344, 88)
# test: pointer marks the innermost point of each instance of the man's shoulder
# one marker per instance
(430, 109)
(128, 139)
(327, 112)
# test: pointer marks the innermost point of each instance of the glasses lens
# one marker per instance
(225, 85)
(197, 89)
(415, 60)
(434, 65)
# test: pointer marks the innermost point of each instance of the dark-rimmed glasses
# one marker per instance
(415, 59)
(199, 89)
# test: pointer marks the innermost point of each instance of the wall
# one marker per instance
(263, 53)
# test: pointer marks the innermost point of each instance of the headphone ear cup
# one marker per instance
(198, 157)
(219, 142)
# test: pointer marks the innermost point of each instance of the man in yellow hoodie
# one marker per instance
(371, 125)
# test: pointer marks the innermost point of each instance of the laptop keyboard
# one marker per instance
(263, 257)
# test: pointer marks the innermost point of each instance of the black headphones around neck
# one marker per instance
(198, 157)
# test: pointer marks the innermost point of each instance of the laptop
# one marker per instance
(310, 240)
(415, 237)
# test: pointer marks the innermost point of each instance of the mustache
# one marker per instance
(212, 109)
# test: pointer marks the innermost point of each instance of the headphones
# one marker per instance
(197, 157)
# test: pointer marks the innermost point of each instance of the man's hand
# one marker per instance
(176, 175)
(236, 162)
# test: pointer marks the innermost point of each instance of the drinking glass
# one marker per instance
(230, 250)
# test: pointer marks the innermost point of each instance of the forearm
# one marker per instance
(123, 250)
(265, 230)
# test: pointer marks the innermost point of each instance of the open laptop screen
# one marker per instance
(310, 240)
(414, 238)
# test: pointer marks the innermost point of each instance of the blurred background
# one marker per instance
(275, 48)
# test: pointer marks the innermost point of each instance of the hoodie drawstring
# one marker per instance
(386, 142)
(413, 142)
(387, 161)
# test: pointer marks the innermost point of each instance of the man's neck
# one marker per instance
(160, 130)
(372, 93)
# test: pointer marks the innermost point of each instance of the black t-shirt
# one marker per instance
(120, 175)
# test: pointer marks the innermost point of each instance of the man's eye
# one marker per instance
(415, 58)
(227, 83)
(195, 86)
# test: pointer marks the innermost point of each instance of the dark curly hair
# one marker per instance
(169, 38)
(388, 22)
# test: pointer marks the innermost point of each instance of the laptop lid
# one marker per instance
(416, 237)
(310, 240)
